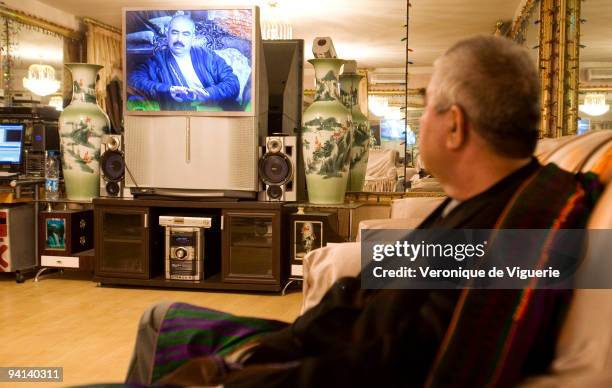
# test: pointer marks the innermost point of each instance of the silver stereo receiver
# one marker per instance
(184, 248)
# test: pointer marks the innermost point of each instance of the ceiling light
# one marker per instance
(41, 80)
(594, 104)
(57, 102)
(273, 24)
(393, 113)
(378, 105)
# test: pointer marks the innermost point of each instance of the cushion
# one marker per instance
(322, 267)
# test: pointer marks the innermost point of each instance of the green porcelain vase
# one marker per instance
(349, 92)
(82, 125)
(326, 137)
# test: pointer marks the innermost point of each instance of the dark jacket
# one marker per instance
(154, 78)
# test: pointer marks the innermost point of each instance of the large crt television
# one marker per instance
(195, 100)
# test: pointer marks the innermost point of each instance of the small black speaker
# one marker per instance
(277, 169)
(112, 166)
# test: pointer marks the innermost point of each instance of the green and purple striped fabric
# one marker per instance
(190, 331)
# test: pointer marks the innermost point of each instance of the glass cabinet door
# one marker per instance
(250, 247)
(123, 242)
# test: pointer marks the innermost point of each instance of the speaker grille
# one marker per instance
(274, 192)
(35, 163)
(244, 149)
(220, 155)
(112, 166)
(275, 169)
(134, 149)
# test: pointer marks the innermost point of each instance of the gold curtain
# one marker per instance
(104, 48)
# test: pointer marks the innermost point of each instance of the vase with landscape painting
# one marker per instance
(349, 92)
(82, 124)
(326, 137)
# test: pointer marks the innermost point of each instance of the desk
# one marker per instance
(20, 189)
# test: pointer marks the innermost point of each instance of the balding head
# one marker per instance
(181, 32)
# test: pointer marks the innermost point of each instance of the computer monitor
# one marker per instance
(11, 146)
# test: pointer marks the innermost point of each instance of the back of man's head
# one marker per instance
(495, 83)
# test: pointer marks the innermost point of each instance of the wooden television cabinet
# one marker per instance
(246, 245)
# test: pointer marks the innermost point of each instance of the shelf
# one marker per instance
(251, 244)
(211, 283)
(123, 240)
(189, 203)
(66, 201)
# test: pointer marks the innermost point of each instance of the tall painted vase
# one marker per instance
(326, 137)
(82, 124)
(349, 92)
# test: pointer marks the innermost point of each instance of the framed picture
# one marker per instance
(307, 236)
(310, 231)
(55, 229)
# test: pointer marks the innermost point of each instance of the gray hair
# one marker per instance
(496, 84)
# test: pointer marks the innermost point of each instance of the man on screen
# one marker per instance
(183, 75)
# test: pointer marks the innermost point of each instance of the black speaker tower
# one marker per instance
(285, 71)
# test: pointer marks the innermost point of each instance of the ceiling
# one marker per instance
(370, 31)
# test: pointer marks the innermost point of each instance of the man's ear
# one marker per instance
(457, 135)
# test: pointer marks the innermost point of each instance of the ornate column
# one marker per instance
(559, 66)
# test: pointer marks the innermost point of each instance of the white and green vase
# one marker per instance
(82, 124)
(349, 92)
(326, 137)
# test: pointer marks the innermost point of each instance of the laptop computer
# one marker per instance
(11, 148)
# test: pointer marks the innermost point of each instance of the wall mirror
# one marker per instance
(595, 90)
(36, 50)
(395, 144)
(27, 52)
(525, 29)
(434, 27)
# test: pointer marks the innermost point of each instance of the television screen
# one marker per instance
(189, 60)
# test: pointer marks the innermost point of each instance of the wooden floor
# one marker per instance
(68, 321)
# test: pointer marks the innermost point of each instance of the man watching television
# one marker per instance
(477, 136)
(183, 76)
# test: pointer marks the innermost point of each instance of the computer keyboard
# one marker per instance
(8, 174)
